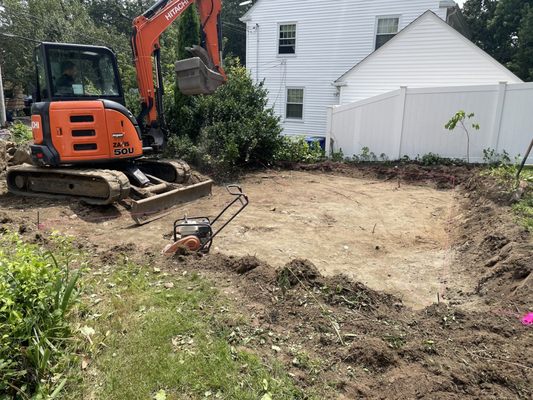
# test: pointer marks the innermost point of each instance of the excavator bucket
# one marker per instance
(194, 77)
(149, 208)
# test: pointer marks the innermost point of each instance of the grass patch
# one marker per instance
(155, 334)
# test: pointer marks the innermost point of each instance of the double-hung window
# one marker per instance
(287, 39)
(295, 103)
(387, 28)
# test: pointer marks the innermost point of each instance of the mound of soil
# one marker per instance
(439, 176)
(492, 246)
(365, 341)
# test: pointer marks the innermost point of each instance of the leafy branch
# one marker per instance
(462, 118)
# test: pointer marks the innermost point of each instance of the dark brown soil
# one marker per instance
(440, 176)
(367, 343)
(492, 246)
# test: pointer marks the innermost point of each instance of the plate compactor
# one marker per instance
(196, 234)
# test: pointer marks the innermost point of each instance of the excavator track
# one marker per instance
(93, 186)
(167, 170)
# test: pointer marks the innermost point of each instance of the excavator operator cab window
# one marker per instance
(82, 73)
(72, 72)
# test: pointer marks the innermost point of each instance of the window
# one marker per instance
(386, 29)
(287, 39)
(82, 73)
(295, 104)
(41, 76)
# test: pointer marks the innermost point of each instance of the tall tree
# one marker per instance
(233, 30)
(45, 20)
(188, 35)
(523, 59)
(503, 29)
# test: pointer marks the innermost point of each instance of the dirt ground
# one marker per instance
(390, 237)
(381, 283)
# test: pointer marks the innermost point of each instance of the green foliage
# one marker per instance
(177, 104)
(504, 29)
(47, 20)
(36, 295)
(491, 157)
(20, 133)
(188, 31)
(230, 129)
(461, 117)
(337, 156)
(297, 150)
(430, 159)
(233, 29)
(505, 173)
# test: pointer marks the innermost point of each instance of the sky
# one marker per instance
(460, 2)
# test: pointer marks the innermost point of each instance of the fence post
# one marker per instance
(398, 122)
(498, 114)
(329, 126)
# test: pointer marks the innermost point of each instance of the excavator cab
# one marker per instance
(79, 114)
(76, 72)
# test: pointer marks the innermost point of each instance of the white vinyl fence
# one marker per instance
(411, 122)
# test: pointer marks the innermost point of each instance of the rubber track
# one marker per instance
(118, 183)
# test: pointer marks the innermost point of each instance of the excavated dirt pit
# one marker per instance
(390, 236)
(336, 277)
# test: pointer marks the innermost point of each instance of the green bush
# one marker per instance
(20, 133)
(297, 150)
(36, 295)
(229, 130)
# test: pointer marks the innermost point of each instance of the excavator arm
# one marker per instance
(147, 29)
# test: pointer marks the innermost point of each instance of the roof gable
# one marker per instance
(248, 14)
(431, 16)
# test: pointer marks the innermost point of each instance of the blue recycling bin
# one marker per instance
(317, 139)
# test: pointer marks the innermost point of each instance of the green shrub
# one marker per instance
(36, 295)
(492, 157)
(20, 133)
(297, 150)
(229, 130)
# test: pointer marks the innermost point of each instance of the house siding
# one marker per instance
(428, 53)
(331, 38)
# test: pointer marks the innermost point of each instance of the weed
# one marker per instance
(36, 295)
(20, 133)
(505, 175)
(395, 341)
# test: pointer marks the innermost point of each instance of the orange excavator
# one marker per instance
(88, 145)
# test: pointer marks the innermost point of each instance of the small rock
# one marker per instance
(168, 285)
(277, 349)
(157, 270)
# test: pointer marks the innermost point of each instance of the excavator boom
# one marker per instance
(198, 78)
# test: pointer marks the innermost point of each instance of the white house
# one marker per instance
(300, 48)
(427, 53)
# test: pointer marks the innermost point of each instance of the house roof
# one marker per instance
(248, 14)
(399, 35)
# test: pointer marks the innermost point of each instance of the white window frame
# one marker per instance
(376, 24)
(278, 39)
(286, 102)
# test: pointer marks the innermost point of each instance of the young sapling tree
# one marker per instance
(462, 118)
